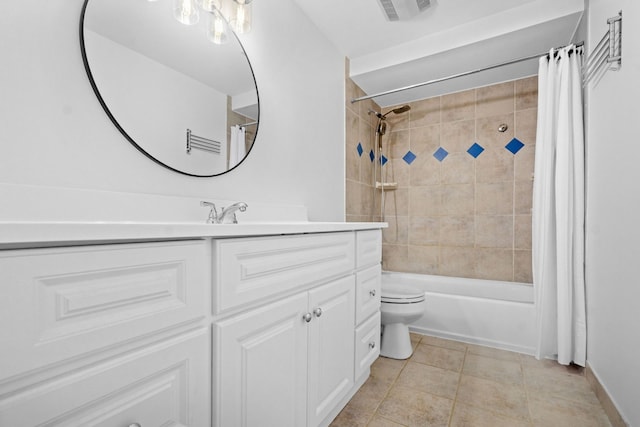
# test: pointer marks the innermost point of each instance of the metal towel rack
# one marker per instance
(201, 143)
(607, 54)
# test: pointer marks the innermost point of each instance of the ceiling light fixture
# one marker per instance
(221, 14)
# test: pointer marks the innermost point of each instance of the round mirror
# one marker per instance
(186, 102)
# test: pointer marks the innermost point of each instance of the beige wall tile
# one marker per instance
(396, 171)
(425, 139)
(396, 233)
(395, 144)
(526, 125)
(352, 139)
(457, 137)
(527, 93)
(488, 135)
(458, 168)
(494, 231)
(395, 257)
(458, 199)
(425, 230)
(455, 217)
(522, 266)
(425, 112)
(423, 259)
(523, 197)
(522, 232)
(494, 166)
(425, 201)
(425, 170)
(523, 163)
(395, 202)
(494, 198)
(459, 106)
(457, 261)
(457, 230)
(495, 99)
(496, 264)
(351, 91)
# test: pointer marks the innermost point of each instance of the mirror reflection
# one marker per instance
(187, 103)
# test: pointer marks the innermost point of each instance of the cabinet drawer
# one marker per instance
(60, 303)
(167, 384)
(252, 269)
(368, 283)
(369, 246)
(367, 344)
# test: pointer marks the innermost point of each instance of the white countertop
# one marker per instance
(33, 234)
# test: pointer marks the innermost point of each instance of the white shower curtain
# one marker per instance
(558, 210)
(237, 149)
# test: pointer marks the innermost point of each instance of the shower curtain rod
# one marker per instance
(453, 76)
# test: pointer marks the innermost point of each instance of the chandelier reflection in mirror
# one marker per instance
(237, 13)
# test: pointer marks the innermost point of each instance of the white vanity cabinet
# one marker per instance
(105, 335)
(287, 352)
(224, 331)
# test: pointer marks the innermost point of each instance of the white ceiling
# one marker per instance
(450, 37)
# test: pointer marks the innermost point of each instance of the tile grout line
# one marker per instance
(455, 398)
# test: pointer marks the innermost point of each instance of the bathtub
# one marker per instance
(485, 312)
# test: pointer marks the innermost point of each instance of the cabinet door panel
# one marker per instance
(261, 365)
(165, 384)
(331, 347)
(74, 301)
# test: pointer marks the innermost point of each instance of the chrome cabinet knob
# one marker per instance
(307, 317)
(372, 345)
(372, 292)
(317, 312)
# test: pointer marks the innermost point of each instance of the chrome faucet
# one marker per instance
(214, 218)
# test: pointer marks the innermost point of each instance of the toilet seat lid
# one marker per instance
(401, 295)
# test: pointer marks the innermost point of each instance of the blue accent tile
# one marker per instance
(409, 157)
(440, 154)
(360, 149)
(475, 150)
(372, 156)
(514, 145)
(383, 160)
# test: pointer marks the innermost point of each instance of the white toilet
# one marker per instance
(401, 305)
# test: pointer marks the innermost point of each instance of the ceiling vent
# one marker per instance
(396, 10)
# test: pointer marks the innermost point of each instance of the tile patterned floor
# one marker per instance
(449, 383)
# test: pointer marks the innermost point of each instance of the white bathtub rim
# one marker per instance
(464, 287)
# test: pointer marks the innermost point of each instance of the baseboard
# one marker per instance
(605, 400)
(472, 340)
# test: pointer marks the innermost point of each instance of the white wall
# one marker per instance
(53, 131)
(156, 104)
(613, 203)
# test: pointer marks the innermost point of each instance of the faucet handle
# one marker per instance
(213, 213)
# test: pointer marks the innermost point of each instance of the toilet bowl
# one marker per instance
(400, 307)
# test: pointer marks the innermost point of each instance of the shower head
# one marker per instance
(398, 110)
